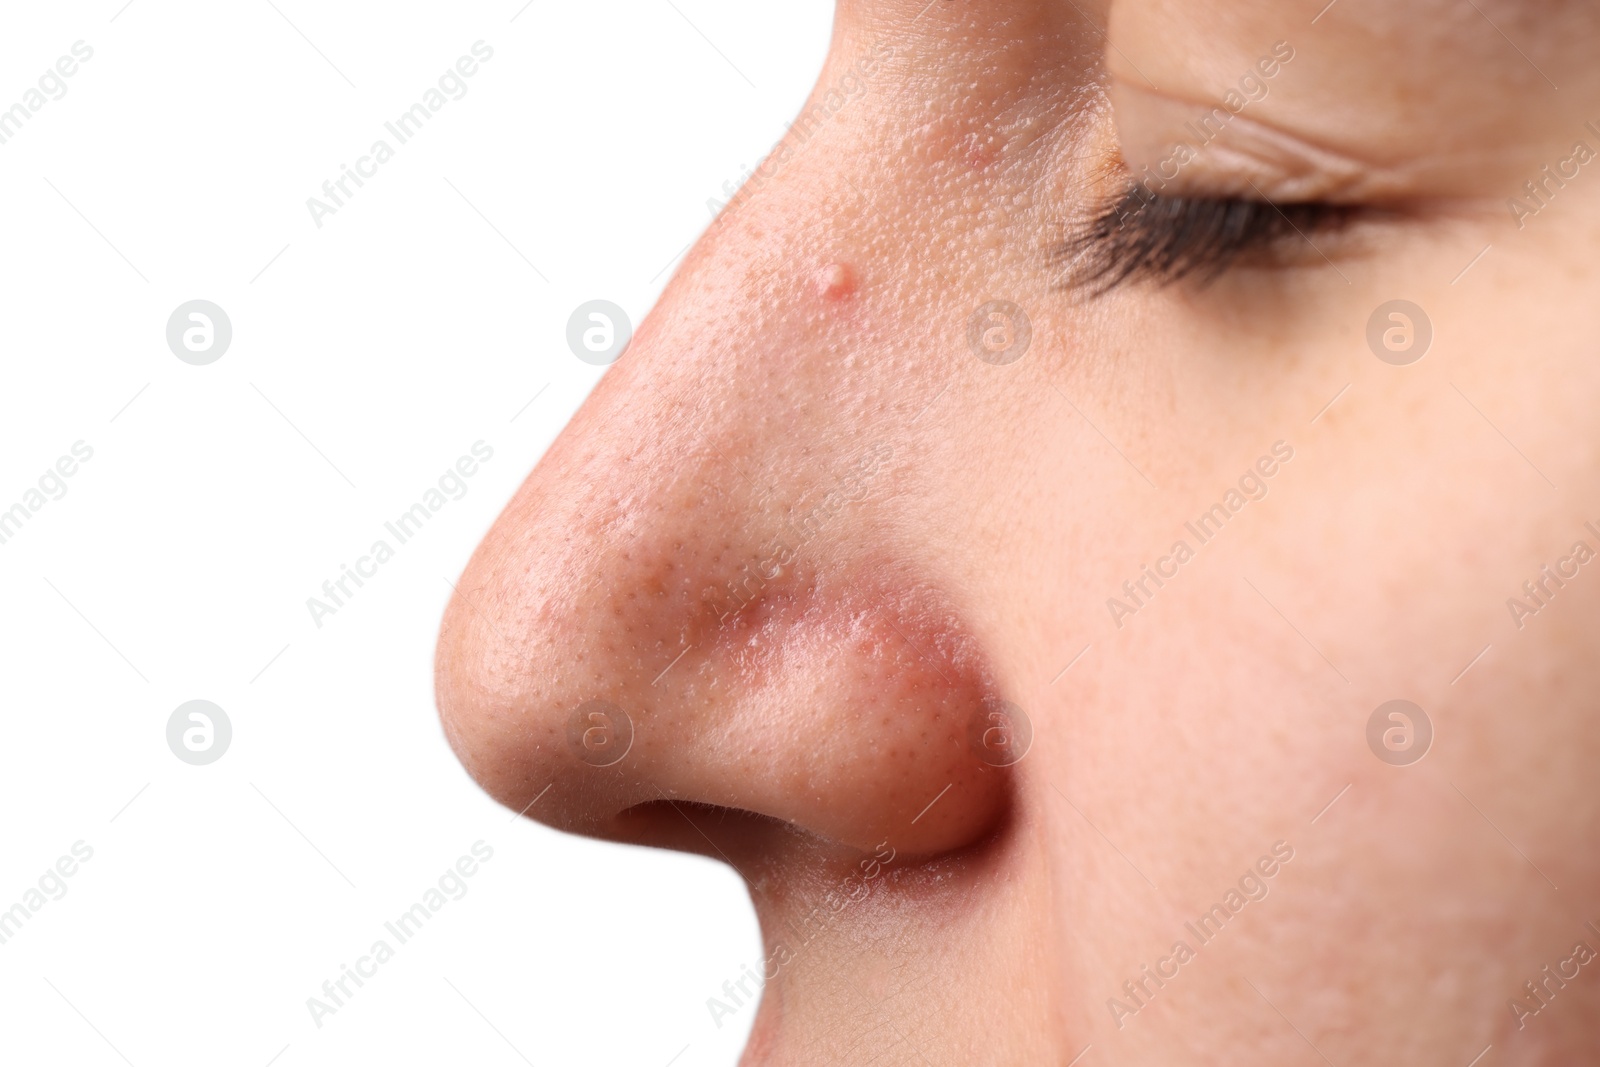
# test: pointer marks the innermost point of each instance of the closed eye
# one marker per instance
(1141, 236)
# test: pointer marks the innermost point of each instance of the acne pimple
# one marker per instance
(836, 281)
(981, 152)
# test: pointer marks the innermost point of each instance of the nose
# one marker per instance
(715, 591)
(650, 626)
(700, 598)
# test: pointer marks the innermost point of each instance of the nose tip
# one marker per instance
(612, 647)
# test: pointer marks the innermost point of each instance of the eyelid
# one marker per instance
(1246, 149)
(1143, 236)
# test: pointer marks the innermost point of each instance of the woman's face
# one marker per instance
(1026, 646)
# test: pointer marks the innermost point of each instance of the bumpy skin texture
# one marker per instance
(809, 542)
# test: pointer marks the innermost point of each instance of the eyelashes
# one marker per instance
(1147, 237)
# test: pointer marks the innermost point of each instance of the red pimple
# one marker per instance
(981, 151)
(836, 281)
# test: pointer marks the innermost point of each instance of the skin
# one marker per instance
(982, 515)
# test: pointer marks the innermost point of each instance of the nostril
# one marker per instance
(734, 835)
(757, 845)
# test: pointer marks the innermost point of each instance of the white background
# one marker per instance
(366, 358)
